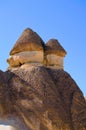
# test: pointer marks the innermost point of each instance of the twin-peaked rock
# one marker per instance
(36, 93)
(31, 49)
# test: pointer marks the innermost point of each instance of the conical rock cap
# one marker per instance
(53, 46)
(28, 41)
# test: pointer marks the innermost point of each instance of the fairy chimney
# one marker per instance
(28, 49)
(55, 54)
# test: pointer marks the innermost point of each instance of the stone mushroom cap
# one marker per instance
(28, 41)
(53, 47)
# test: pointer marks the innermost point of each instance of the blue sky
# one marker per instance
(64, 20)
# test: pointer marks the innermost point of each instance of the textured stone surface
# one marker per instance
(30, 48)
(26, 57)
(28, 41)
(35, 92)
(54, 47)
(54, 60)
(39, 98)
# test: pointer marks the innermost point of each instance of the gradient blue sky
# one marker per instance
(64, 20)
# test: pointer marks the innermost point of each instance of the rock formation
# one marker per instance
(31, 49)
(55, 54)
(36, 96)
(28, 49)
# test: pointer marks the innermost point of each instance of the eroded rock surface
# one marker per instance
(35, 92)
(30, 48)
(40, 98)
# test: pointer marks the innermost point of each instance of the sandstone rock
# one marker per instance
(35, 96)
(28, 41)
(40, 98)
(54, 54)
(28, 48)
(26, 57)
(54, 47)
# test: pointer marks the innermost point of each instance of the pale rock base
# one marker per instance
(54, 61)
(7, 127)
(26, 57)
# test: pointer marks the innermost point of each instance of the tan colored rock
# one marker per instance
(40, 98)
(55, 61)
(21, 58)
(53, 46)
(28, 41)
(55, 54)
(29, 48)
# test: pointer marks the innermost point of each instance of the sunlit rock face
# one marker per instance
(41, 98)
(29, 48)
(10, 121)
(35, 91)
(7, 127)
(55, 54)
(55, 61)
(26, 57)
(28, 41)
